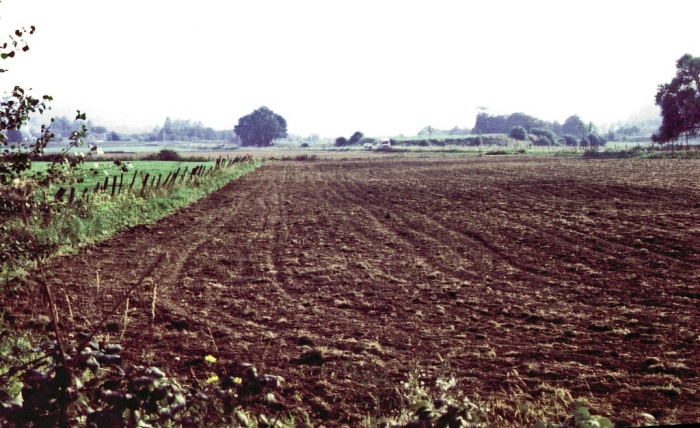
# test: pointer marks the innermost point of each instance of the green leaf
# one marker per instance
(604, 422)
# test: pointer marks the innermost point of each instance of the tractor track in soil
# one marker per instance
(564, 272)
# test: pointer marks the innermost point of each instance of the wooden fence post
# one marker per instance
(184, 174)
(159, 177)
(165, 183)
(114, 184)
(71, 196)
(144, 183)
(104, 187)
(85, 193)
(121, 181)
(175, 176)
(97, 187)
(133, 180)
(59, 194)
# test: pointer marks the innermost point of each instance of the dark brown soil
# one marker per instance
(577, 274)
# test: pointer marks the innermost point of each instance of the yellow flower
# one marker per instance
(237, 380)
(210, 359)
(213, 379)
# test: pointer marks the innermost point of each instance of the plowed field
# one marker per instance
(510, 272)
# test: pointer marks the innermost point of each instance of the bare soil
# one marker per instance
(504, 272)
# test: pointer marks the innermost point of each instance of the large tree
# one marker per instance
(680, 102)
(260, 127)
(572, 125)
(355, 138)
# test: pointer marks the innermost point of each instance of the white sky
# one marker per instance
(334, 67)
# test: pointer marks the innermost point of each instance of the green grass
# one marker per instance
(16, 349)
(102, 215)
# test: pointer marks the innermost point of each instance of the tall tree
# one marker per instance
(680, 102)
(518, 133)
(260, 127)
(572, 125)
(355, 138)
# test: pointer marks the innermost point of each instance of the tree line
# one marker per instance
(680, 103)
(186, 130)
(520, 126)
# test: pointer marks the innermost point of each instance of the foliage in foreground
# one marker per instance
(94, 388)
(89, 386)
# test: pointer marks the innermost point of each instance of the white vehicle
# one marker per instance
(368, 146)
(384, 142)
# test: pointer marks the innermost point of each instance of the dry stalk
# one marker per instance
(153, 302)
(213, 342)
(70, 308)
(126, 319)
(138, 283)
(97, 281)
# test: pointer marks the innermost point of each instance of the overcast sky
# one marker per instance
(334, 67)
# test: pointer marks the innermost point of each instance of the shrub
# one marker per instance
(355, 138)
(131, 395)
(570, 140)
(596, 140)
(164, 155)
(304, 145)
(542, 141)
(518, 133)
(550, 139)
